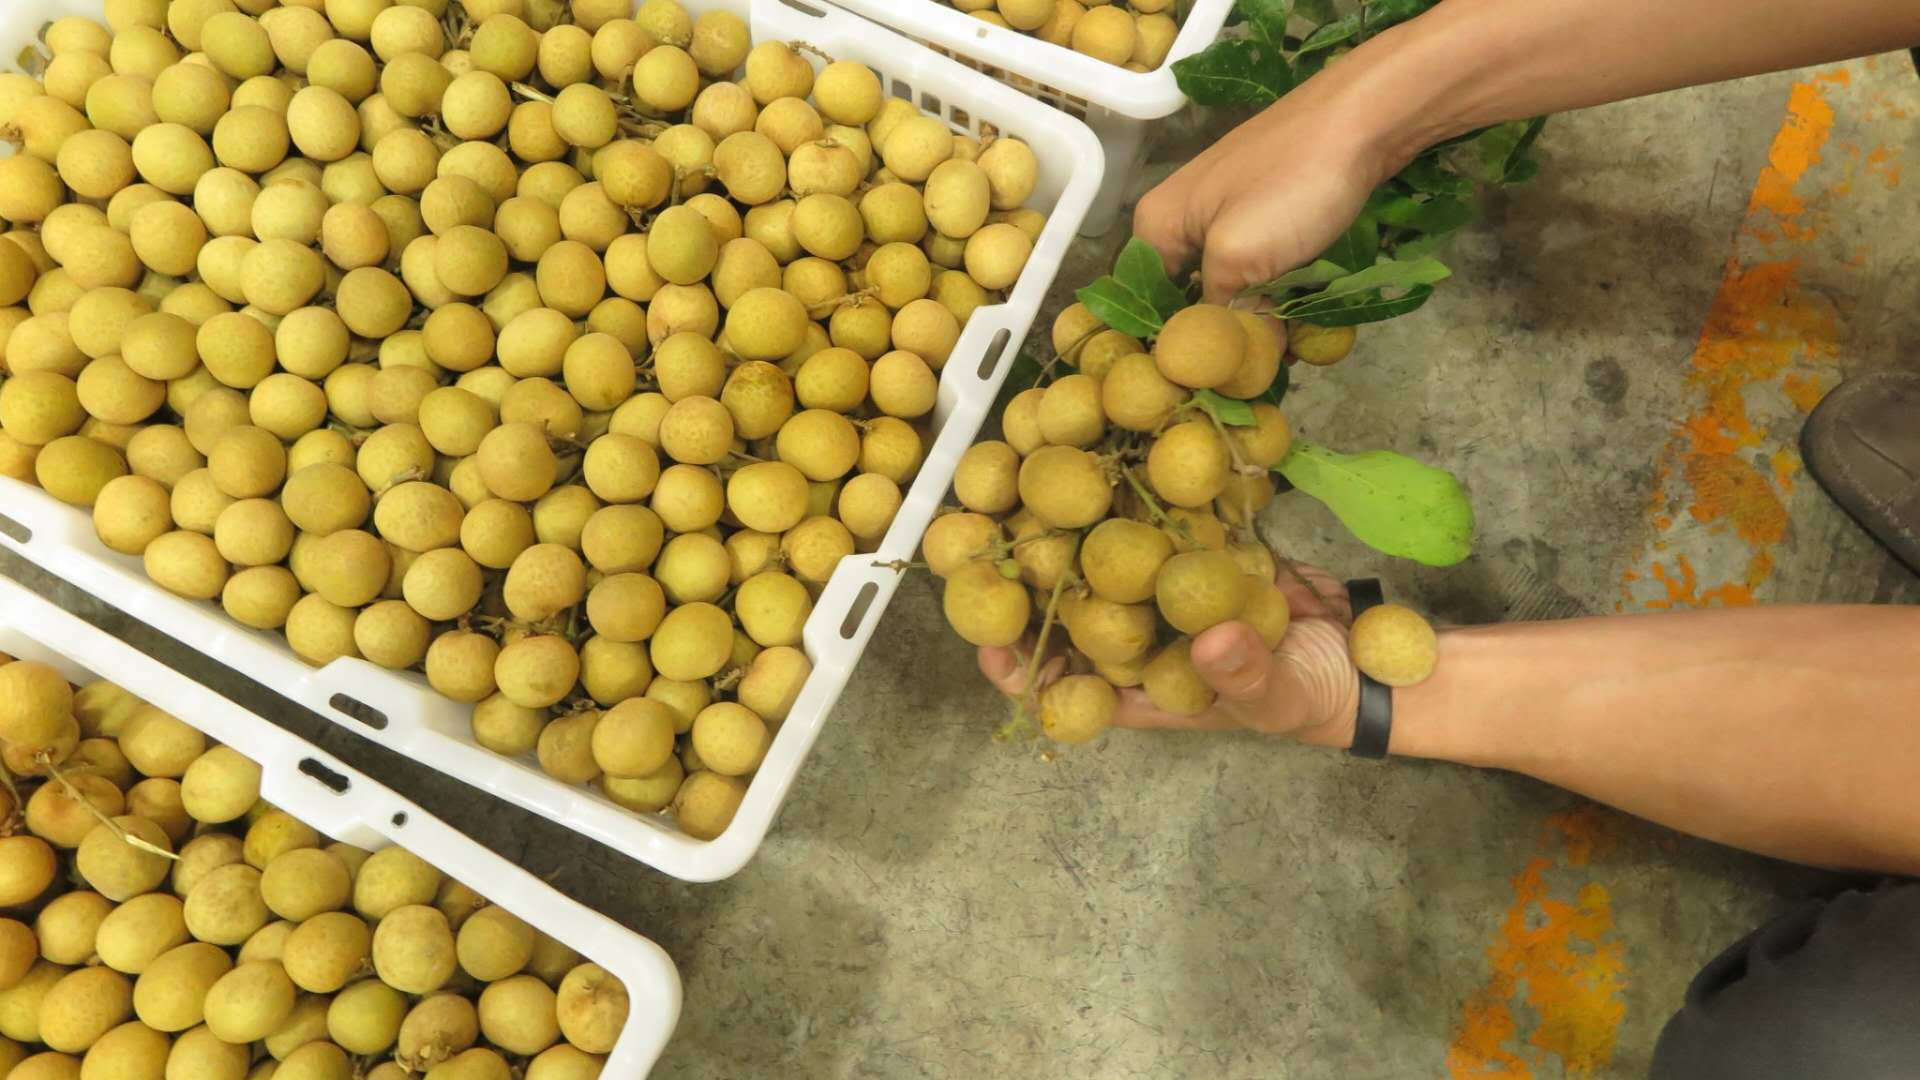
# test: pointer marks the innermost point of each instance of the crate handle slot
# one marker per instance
(857, 611)
(360, 711)
(990, 362)
(15, 531)
(804, 9)
(399, 819)
(327, 778)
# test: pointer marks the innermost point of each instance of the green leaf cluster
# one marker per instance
(1392, 503)
(1280, 44)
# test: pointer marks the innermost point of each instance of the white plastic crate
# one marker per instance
(402, 713)
(343, 804)
(1117, 103)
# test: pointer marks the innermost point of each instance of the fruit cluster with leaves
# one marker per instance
(1384, 265)
(1120, 506)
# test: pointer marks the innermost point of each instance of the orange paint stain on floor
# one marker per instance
(1557, 968)
(1556, 957)
(1764, 333)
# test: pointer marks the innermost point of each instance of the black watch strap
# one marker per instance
(1373, 726)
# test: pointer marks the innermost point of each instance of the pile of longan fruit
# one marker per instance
(161, 921)
(1122, 511)
(513, 341)
(1133, 34)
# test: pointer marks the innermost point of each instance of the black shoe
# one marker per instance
(1862, 444)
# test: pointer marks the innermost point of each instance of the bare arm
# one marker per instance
(1279, 189)
(1791, 731)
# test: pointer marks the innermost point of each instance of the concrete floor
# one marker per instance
(1617, 372)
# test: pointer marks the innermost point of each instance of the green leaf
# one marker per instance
(1392, 503)
(1238, 71)
(1369, 307)
(1267, 19)
(1319, 272)
(1121, 308)
(1282, 381)
(1372, 17)
(1358, 247)
(1319, 11)
(1141, 270)
(1229, 411)
(1419, 247)
(1438, 214)
(1521, 171)
(1393, 274)
(1430, 176)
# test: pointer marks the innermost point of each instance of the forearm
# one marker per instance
(1470, 63)
(1791, 731)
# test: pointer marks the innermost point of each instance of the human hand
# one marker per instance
(1272, 195)
(1308, 688)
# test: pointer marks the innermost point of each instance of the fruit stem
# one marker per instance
(46, 761)
(1029, 692)
(901, 566)
(1139, 489)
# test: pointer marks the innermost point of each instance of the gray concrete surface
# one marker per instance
(934, 904)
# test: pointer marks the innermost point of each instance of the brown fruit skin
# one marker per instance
(985, 608)
(1266, 610)
(1199, 590)
(1189, 464)
(1064, 487)
(1108, 633)
(1078, 709)
(1394, 645)
(954, 540)
(1266, 443)
(1173, 684)
(1121, 558)
(1135, 396)
(1266, 344)
(1201, 347)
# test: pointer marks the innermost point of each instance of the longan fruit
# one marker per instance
(1201, 347)
(250, 1002)
(225, 907)
(65, 929)
(365, 1017)
(1064, 487)
(27, 867)
(1106, 33)
(633, 739)
(1394, 645)
(1173, 684)
(828, 226)
(928, 330)
(187, 564)
(220, 786)
(132, 936)
(436, 1029)
(116, 869)
(565, 748)
(1320, 346)
(393, 878)
(997, 254)
(692, 642)
(1077, 709)
(328, 949)
(1189, 465)
(253, 532)
(197, 1052)
(984, 607)
(538, 671)
(82, 1007)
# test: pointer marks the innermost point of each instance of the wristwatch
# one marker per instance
(1373, 726)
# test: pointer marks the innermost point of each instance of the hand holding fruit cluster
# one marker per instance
(1121, 508)
(162, 919)
(1133, 34)
(530, 348)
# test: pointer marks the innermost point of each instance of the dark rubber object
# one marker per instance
(1373, 726)
(1863, 446)
(1824, 992)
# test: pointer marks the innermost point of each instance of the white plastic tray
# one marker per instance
(402, 713)
(1118, 103)
(347, 806)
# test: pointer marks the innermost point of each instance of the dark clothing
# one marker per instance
(1830, 991)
